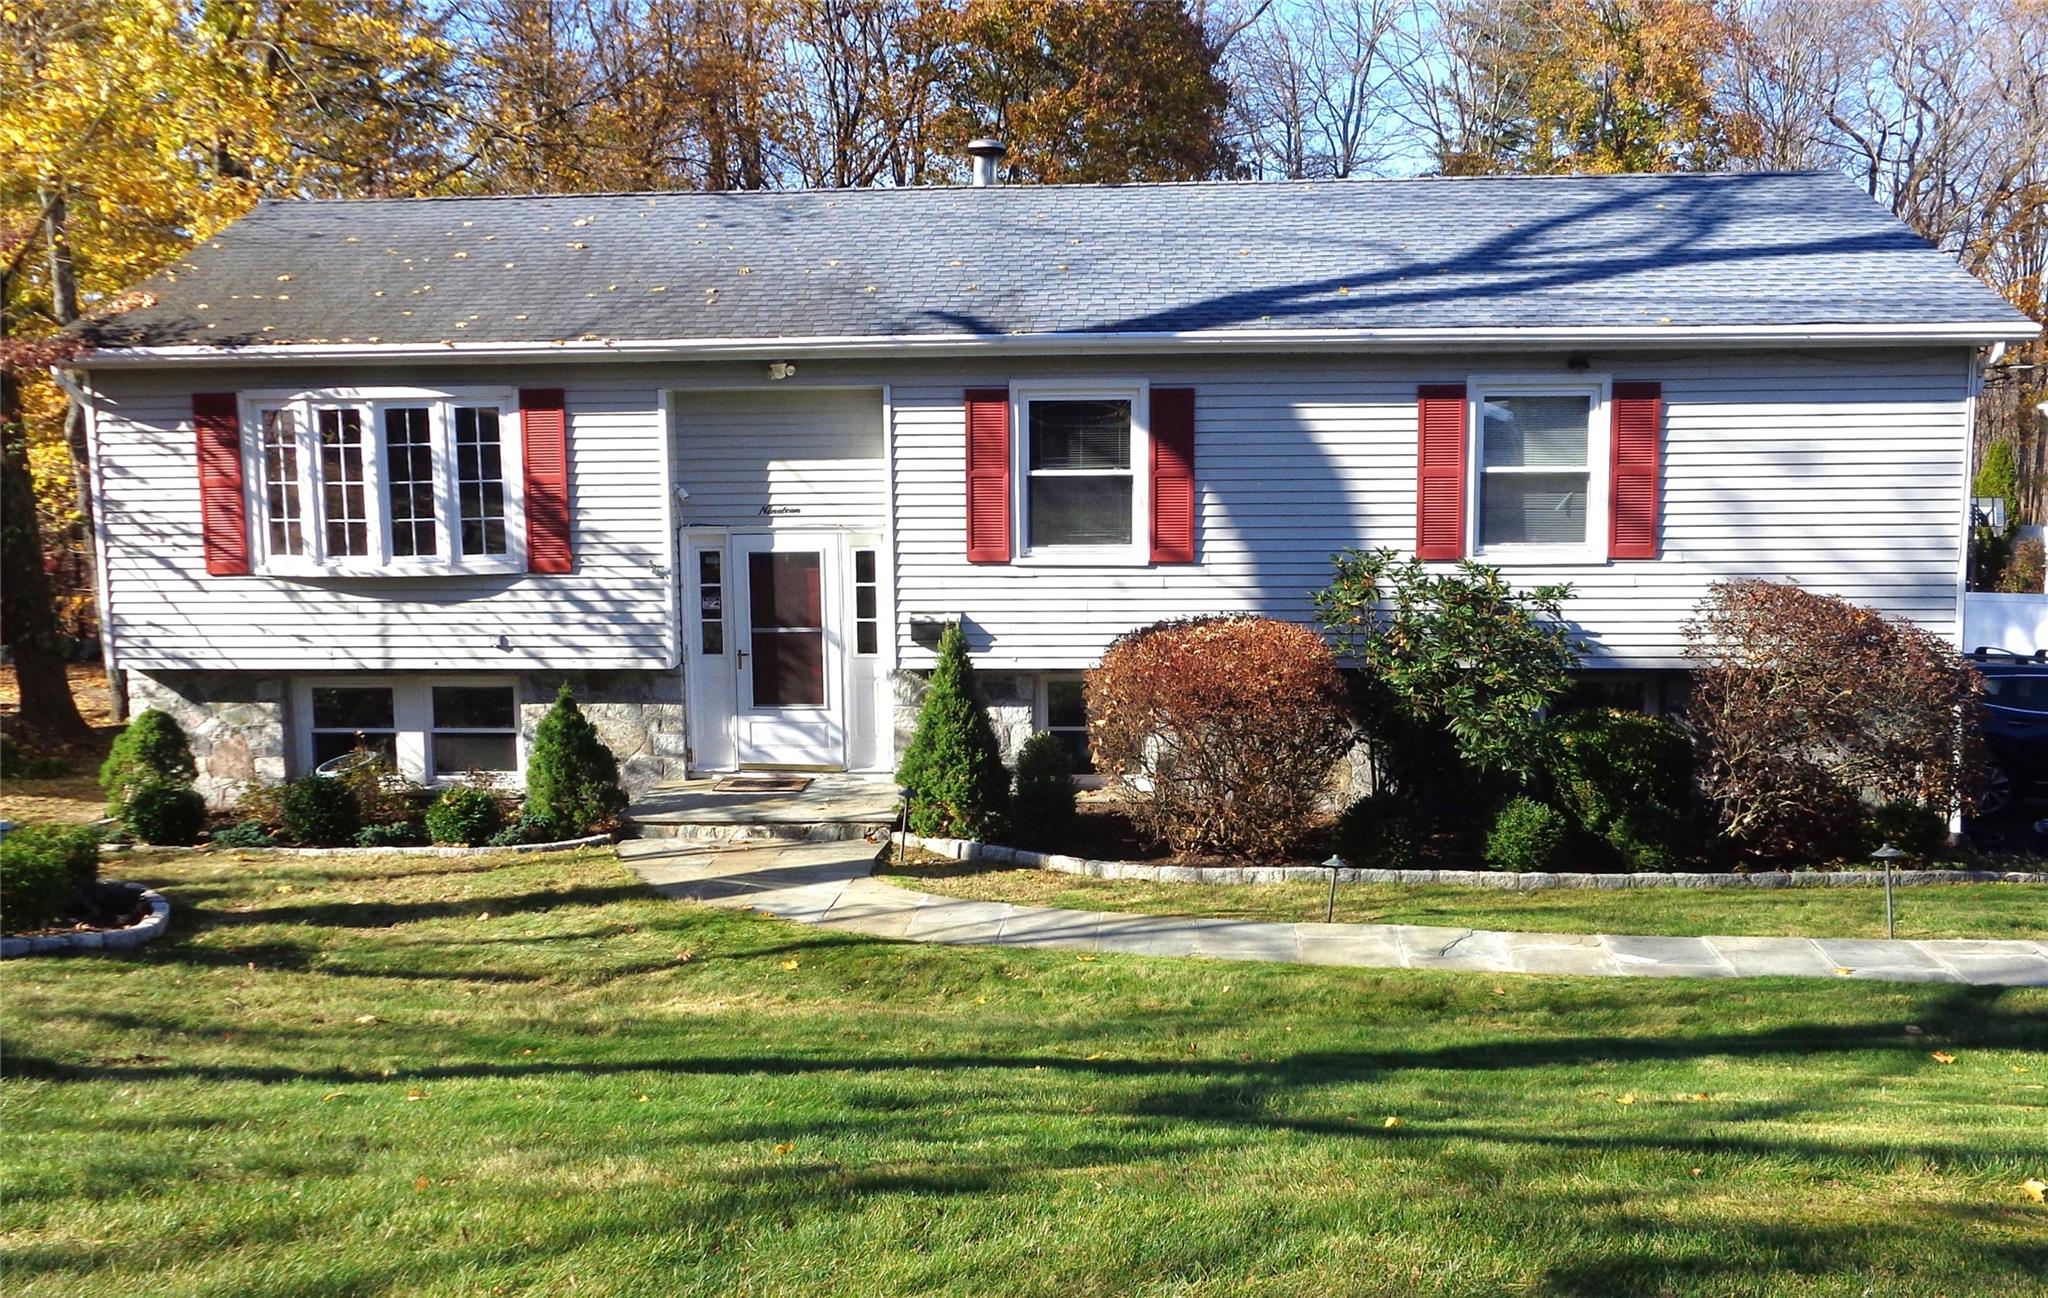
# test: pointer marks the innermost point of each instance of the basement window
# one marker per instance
(432, 730)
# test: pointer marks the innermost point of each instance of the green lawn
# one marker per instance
(1961, 910)
(427, 1076)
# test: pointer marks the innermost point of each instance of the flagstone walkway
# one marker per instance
(830, 884)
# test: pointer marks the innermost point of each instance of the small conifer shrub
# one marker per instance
(1042, 803)
(572, 778)
(952, 768)
(152, 750)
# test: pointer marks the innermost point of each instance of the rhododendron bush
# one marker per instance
(1812, 710)
(1221, 735)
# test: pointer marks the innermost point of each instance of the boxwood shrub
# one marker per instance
(46, 870)
(1379, 831)
(464, 816)
(169, 815)
(1526, 835)
(320, 812)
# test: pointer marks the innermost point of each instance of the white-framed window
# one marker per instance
(1539, 451)
(400, 481)
(867, 601)
(1063, 713)
(434, 730)
(711, 600)
(1081, 472)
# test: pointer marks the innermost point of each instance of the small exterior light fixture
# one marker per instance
(1888, 854)
(779, 370)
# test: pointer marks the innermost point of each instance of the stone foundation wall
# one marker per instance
(239, 725)
(235, 723)
(1010, 697)
(639, 715)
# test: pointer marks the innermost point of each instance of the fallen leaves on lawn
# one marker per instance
(1942, 1057)
(1391, 1123)
(785, 1147)
(2036, 1189)
(330, 1097)
(788, 964)
(366, 1018)
(1629, 1098)
(684, 957)
(421, 1183)
(415, 1094)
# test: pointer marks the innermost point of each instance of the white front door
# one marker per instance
(789, 651)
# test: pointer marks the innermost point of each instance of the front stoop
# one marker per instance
(835, 808)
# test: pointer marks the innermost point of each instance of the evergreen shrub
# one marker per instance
(1624, 779)
(464, 816)
(245, 833)
(151, 750)
(1526, 835)
(1378, 832)
(952, 768)
(45, 871)
(572, 778)
(169, 815)
(395, 833)
(1042, 801)
(320, 812)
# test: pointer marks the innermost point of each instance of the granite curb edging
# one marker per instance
(967, 849)
(148, 929)
(562, 845)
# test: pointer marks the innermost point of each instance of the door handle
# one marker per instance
(739, 657)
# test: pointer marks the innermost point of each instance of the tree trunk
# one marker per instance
(64, 306)
(28, 621)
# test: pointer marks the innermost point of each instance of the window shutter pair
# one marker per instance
(543, 436)
(1172, 464)
(1632, 465)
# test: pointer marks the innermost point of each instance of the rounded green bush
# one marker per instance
(1042, 801)
(1378, 832)
(152, 750)
(1526, 835)
(319, 812)
(45, 870)
(464, 817)
(169, 815)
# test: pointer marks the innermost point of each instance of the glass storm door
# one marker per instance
(789, 653)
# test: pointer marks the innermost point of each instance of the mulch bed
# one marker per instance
(116, 907)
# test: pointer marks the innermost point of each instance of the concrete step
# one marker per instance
(816, 831)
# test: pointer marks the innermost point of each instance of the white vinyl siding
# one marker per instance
(165, 612)
(1842, 471)
(787, 456)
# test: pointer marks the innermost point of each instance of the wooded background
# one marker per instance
(131, 128)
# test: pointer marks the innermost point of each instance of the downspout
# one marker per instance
(88, 409)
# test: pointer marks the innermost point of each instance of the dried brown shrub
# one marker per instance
(1221, 735)
(1810, 709)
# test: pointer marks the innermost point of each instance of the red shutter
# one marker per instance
(223, 516)
(544, 439)
(988, 475)
(1440, 471)
(1632, 476)
(1173, 475)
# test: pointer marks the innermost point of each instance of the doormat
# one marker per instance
(762, 784)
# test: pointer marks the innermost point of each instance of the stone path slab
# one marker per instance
(831, 884)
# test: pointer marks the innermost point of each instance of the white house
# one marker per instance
(725, 462)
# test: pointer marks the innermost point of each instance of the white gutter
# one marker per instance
(1972, 332)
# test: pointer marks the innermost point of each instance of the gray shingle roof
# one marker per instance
(1648, 252)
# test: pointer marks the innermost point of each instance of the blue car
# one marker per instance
(2015, 729)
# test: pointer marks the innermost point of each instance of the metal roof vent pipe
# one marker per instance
(987, 153)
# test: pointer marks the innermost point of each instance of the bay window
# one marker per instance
(399, 481)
